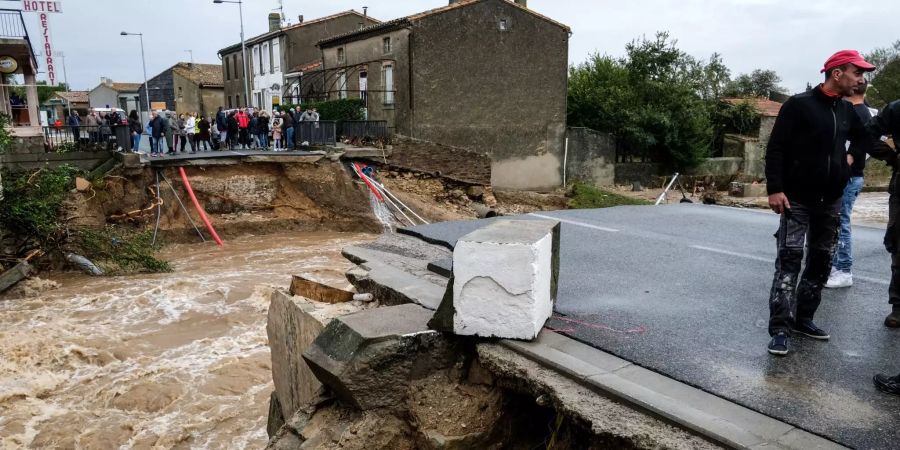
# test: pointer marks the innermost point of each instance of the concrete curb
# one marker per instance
(715, 418)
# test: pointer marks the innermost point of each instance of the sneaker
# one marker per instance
(893, 319)
(839, 279)
(779, 344)
(808, 328)
(884, 383)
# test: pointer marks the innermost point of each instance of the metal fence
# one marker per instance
(12, 25)
(81, 138)
(364, 129)
(323, 132)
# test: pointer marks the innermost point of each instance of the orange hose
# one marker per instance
(187, 187)
(358, 169)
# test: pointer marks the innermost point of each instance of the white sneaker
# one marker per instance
(839, 279)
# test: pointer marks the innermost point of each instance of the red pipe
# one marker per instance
(187, 186)
(368, 183)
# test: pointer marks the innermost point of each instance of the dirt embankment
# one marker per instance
(248, 198)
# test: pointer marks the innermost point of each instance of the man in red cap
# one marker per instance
(806, 172)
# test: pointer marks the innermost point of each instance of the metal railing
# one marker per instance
(323, 132)
(12, 25)
(67, 138)
(376, 129)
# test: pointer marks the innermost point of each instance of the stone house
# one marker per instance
(58, 105)
(116, 95)
(187, 87)
(485, 75)
(277, 56)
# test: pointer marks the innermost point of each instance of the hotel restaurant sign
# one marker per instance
(42, 8)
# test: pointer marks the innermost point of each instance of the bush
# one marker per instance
(119, 250)
(5, 135)
(31, 203)
(337, 110)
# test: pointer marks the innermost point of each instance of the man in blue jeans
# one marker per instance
(842, 262)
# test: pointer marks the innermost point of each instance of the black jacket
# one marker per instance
(806, 158)
(886, 123)
(859, 156)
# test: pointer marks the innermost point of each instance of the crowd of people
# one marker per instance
(242, 128)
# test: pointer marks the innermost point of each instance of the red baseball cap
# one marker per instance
(847, 56)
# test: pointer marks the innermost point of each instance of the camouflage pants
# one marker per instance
(816, 225)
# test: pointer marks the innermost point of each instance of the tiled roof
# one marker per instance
(270, 34)
(205, 75)
(126, 87)
(412, 18)
(74, 96)
(766, 107)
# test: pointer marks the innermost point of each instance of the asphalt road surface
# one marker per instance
(683, 290)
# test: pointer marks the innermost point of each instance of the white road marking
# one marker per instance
(577, 224)
(772, 261)
(730, 253)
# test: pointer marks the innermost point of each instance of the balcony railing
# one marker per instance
(12, 25)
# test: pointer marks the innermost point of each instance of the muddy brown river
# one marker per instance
(175, 360)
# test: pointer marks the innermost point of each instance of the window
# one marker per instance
(387, 74)
(276, 56)
(230, 105)
(264, 63)
(504, 25)
(340, 55)
(342, 85)
(227, 69)
(180, 94)
(386, 44)
(253, 62)
(234, 65)
(237, 100)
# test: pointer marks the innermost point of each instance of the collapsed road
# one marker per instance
(681, 290)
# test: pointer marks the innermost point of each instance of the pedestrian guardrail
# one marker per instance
(323, 132)
(364, 129)
(66, 138)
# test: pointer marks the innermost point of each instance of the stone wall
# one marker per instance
(31, 161)
(591, 157)
(451, 162)
(648, 174)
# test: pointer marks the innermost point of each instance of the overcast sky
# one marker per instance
(792, 37)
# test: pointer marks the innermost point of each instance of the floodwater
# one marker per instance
(177, 360)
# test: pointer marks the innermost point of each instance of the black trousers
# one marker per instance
(795, 297)
(892, 240)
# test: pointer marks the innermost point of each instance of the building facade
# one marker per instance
(116, 95)
(275, 58)
(486, 75)
(187, 87)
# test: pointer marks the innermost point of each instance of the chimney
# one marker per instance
(522, 3)
(274, 21)
(300, 19)
(106, 81)
(454, 1)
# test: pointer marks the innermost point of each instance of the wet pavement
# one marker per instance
(682, 290)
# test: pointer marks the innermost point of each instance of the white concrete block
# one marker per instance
(504, 279)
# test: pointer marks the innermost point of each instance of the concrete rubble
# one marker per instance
(504, 281)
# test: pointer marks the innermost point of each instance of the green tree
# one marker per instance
(44, 91)
(759, 83)
(884, 81)
(652, 100)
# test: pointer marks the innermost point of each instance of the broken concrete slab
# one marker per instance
(293, 325)
(12, 276)
(367, 357)
(504, 281)
(319, 292)
(82, 185)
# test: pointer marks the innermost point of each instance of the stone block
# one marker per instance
(293, 325)
(751, 190)
(367, 357)
(504, 281)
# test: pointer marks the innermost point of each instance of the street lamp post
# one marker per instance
(144, 64)
(240, 4)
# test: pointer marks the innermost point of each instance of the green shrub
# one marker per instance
(5, 134)
(337, 110)
(586, 196)
(31, 203)
(119, 250)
